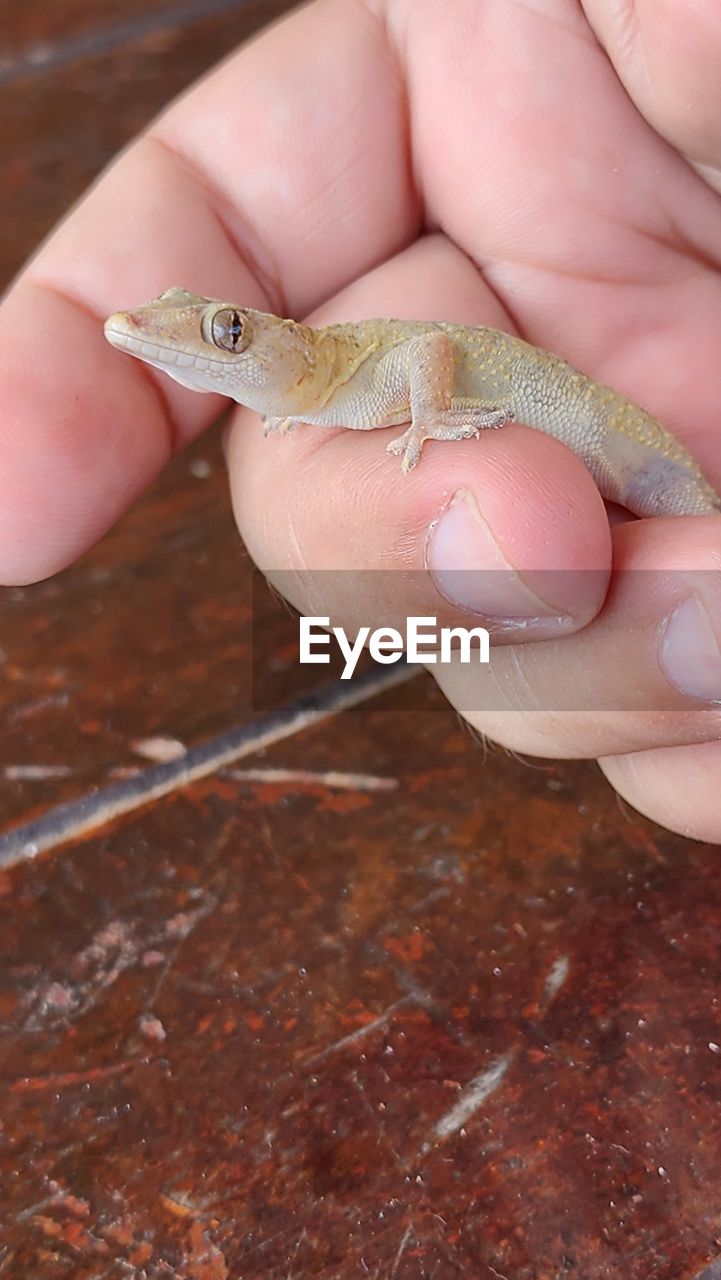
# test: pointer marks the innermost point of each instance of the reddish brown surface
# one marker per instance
(238, 1027)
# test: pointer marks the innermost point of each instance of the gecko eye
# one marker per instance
(230, 330)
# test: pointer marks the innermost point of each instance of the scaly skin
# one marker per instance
(449, 381)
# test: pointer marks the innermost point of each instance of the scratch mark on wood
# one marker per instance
(35, 772)
(116, 948)
(77, 818)
(305, 777)
(359, 1034)
(291, 1264)
(401, 1250)
(472, 1097)
(65, 1079)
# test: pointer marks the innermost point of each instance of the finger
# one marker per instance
(254, 186)
(668, 56)
(608, 251)
(514, 502)
(645, 673)
(676, 786)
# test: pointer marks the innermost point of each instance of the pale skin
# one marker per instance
(607, 252)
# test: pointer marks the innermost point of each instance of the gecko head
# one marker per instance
(209, 345)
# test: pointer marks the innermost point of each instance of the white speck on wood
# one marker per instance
(473, 1097)
(159, 748)
(35, 772)
(557, 975)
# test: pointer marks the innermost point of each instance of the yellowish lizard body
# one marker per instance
(448, 381)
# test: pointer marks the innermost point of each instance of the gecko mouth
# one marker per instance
(154, 352)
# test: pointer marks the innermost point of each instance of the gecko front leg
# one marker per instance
(436, 414)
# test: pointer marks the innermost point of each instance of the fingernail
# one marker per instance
(689, 651)
(471, 570)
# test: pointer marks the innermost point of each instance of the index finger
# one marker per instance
(274, 181)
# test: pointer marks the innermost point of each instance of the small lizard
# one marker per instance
(448, 381)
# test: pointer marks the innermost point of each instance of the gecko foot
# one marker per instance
(456, 423)
(462, 421)
(281, 426)
(409, 445)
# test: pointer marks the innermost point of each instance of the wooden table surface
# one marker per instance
(350, 997)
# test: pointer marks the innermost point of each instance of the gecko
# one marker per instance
(446, 381)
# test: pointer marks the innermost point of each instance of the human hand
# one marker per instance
(479, 164)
